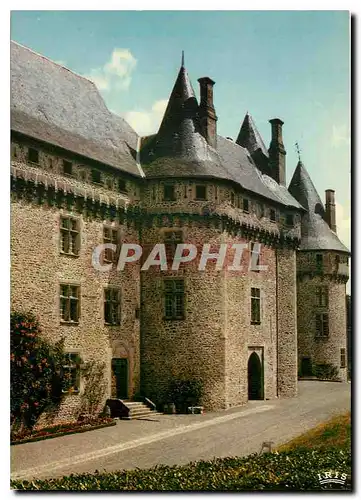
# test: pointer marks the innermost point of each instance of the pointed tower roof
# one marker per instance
(179, 148)
(249, 137)
(315, 232)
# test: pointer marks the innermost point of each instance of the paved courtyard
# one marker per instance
(179, 439)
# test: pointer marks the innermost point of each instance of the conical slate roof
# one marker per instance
(315, 232)
(249, 137)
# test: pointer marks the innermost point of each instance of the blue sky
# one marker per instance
(290, 64)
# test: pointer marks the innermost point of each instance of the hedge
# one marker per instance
(280, 471)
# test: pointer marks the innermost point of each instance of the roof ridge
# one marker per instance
(53, 62)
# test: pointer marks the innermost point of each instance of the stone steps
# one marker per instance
(138, 409)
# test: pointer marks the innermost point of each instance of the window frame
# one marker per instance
(114, 305)
(256, 312)
(109, 256)
(202, 187)
(319, 261)
(343, 363)
(98, 174)
(125, 190)
(272, 215)
(173, 294)
(171, 187)
(67, 164)
(68, 303)
(322, 325)
(73, 235)
(290, 220)
(72, 365)
(33, 150)
(322, 292)
(245, 205)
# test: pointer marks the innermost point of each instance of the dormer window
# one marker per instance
(272, 215)
(33, 155)
(201, 192)
(67, 167)
(245, 205)
(168, 192)
(232, 197)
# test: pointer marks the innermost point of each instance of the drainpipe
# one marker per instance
(277, 377)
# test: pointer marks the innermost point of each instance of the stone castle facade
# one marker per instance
(82, 177)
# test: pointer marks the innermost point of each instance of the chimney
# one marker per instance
(331, 209)
(207, 113)
(277, 152)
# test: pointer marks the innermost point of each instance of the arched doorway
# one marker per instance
(255, 378)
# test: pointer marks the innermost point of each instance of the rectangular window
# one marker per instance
(67, 167)
(255, 262)
(71, 372)
(232, 197)
(112, 306)
(201, 192)
(289, 220)
(33, 155)
(174, 299)
(171, 240)
(319, 261)
(255, 306)
(96, 177)
(69, 235)
(69, 303)
(272, 215)
(343, 358)
(322, 296)
(245, 205)
(122, 186)
(110, 235)
(322, 325)
(168, 192)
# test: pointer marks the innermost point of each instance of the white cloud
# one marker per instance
(116, 73)
(147, 122)
(340, 135)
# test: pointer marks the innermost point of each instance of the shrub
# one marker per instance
(326, 371)
(36, 378)
(285, 471)
(184, 393)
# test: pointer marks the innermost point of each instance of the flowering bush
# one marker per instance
(36, 378)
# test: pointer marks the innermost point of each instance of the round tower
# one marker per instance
(322, 274)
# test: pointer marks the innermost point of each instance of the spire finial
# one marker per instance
(182, 58)
(298, 151)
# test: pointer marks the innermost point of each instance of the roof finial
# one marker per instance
(182, 58)
(298, 152)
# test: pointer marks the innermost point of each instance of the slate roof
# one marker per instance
(315, 232)
(249, 137)
(51, 103)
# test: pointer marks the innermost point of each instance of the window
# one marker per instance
(14, 150)
(272, 215)
(319, 261)
(322, 325)
(69, 303)
(122, 186)
(50, 163)
(289, 220)
(168, 192)
(232, 197)
(112, 306)
(110, 235)
(201, 192)
(96, 177)
(255, 306)
(174, 299)
(33, 155)
(261, 210)
(67, 167)
(70, 237)
(71, 372)
(337, 262)
(171, 240)
(253, 261)
(322, 296)
(343, 358)
(245, 205)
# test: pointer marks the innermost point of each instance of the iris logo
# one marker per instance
(331, 479)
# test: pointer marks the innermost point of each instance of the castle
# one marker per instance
(81, 177)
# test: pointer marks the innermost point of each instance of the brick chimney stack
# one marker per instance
(207, 113)
(331, 209)
(277, 152)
